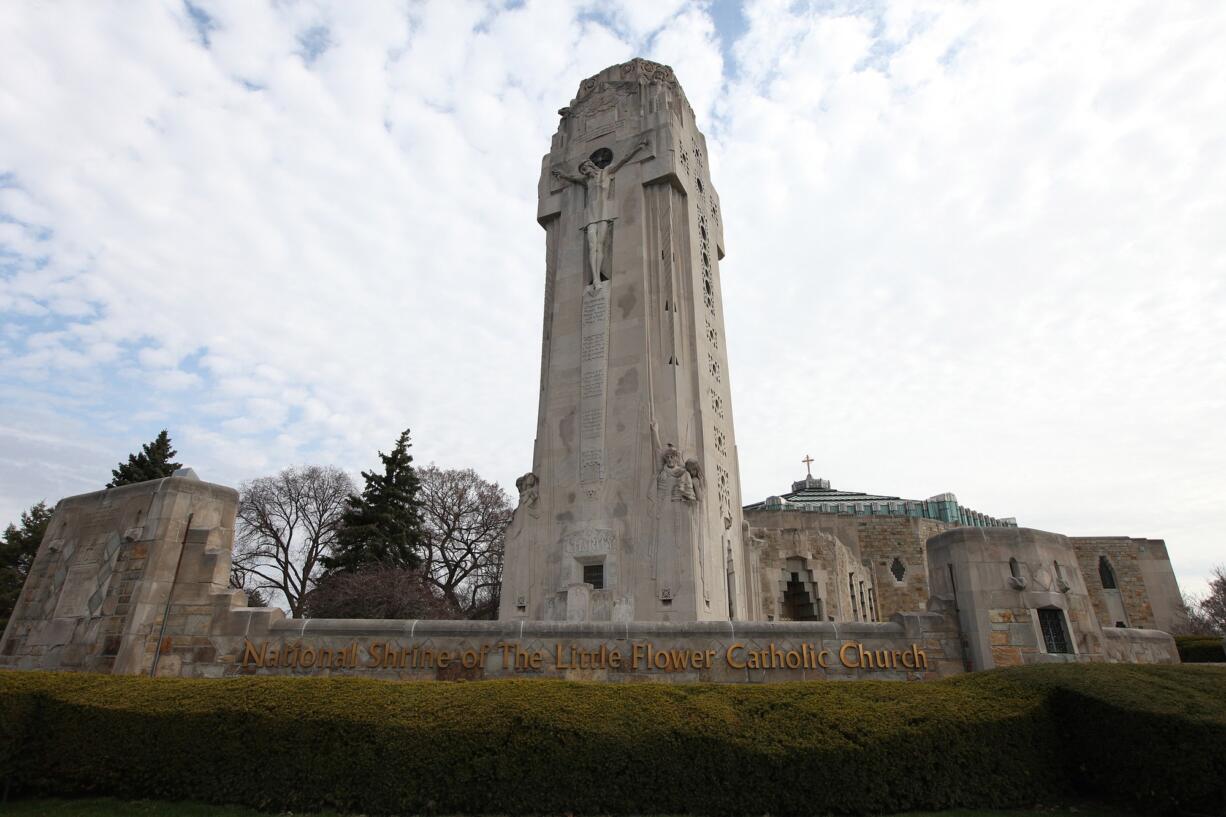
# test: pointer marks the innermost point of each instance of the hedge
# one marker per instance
(1201, 649)
(1152, 735)
(1148, 737)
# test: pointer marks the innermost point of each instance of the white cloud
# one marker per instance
(985, 231)
(971, 247)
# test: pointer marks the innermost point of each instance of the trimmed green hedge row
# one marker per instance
(1147, 737)
(1200, 649)
(1154, 736)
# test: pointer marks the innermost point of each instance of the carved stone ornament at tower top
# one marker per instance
(634, 76)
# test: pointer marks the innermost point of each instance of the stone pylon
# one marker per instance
(632, 511)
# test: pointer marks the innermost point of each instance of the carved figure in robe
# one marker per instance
(698, 522)
(596, 179)
(529, 490)
(673, 481)
(529, 502)
(672, 497)
(515, 552)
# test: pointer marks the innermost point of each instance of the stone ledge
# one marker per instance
(420, 628)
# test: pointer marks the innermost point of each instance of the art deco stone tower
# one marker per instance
(632, 511)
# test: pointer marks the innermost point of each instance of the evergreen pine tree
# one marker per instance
(18, 546)
(383, 526)
(153, 462)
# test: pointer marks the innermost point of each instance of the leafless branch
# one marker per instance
(465, 518)
(286, 523)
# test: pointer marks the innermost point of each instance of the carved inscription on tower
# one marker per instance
(593, 374)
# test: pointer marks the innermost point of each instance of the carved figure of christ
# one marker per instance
(596, 179)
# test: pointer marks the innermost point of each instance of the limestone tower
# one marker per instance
(632, 511)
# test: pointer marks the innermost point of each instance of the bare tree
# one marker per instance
(1205, 615)
(1213, 605)
(285, 524)
(1192, 622)
(241, 578)
(465, 518)
(486, 583)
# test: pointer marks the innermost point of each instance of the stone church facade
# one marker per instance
(821, 554)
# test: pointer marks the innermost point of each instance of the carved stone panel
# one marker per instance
(590, 542)
(594, 372)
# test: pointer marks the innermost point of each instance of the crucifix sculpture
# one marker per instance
(596, 179)
(808, 461)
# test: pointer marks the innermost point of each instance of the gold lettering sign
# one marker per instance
(640, 656)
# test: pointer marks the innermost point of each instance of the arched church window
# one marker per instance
(1106, 573)
(898, 569)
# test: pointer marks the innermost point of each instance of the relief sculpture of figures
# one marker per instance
(673, 482)
(672, 497)
(529, 498)
(529, 490)
(596, 179)
(516, 543)
(695, 472)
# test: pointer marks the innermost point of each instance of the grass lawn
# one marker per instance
(108, 807)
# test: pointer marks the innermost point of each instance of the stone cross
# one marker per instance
(808, 461)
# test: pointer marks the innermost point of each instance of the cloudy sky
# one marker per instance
(977, 248)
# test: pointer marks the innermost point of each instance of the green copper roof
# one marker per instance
(814, 494)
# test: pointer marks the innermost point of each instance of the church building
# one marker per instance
(818, 553)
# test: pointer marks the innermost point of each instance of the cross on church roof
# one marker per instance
(808, 461)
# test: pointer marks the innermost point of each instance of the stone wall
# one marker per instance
(134, 580)
(1010, 583)
(824, 548)
(917, 646)
(883, 539)
(98, 588)
(209, 634)
(839, 544)
(1144, 578)
(1148, 591)
(1129, 645)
